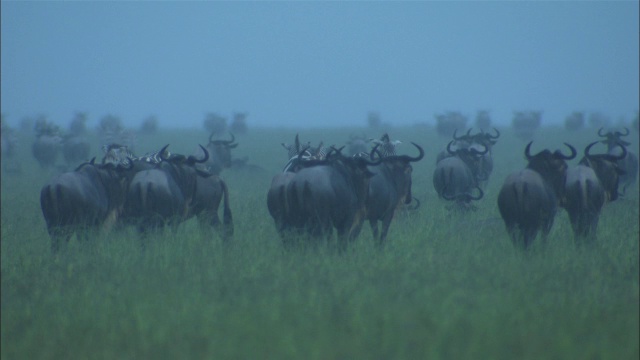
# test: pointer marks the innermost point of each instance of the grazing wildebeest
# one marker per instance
(590, 185)
(389, 189)
(89, 198)
(149, 126)
(456, 177)
(219, 154)
(327, 194)
(75, 149)
(529, 198)
(239, 123)
(575, 121)
(78, 127)
(629, 163)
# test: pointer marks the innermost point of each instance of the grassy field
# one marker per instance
(447, 286)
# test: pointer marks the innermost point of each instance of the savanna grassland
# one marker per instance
(447, 286)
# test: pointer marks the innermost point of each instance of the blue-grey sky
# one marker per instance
(320, 63)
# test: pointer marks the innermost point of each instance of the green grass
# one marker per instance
(447, 286)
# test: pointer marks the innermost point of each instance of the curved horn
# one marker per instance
(206, 155)
(496, 136)
(573, 153)
(454, 135)
(621, 134)
(420, 155)
(586, 150)
(163, 151)
(211, 137)
(449, 148)
(600, 132)
(233, 138)
(374, 162)
(527, 150)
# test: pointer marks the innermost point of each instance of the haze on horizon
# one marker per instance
(301, 64)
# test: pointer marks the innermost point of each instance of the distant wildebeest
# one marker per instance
(575, 121)
(47, 144)
(629, 163)
(239, 123)
(327, 194)
(75, 149)
(483, 120)
(529, 199)
(174, 191)
(78, 126)
(389, 189)
(87, 199)
(457, 177)
(215, 124)
(357, 144)
(149, 126)
(9, 141)
(590, 185)
(598, 120)
(219, 154)
(447, 123)
(525, 123)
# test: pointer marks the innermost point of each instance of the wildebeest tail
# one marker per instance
(227, 217)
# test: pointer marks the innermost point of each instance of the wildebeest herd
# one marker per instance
(326, 190)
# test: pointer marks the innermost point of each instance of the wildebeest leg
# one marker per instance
(57, 233)
(374, 230)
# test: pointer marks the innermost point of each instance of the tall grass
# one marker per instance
(447, 285)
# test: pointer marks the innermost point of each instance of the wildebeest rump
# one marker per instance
(590, 185)
(529, 199)
(90, 197)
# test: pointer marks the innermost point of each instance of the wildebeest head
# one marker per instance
(606, 168)
(472, 157)
(294, 149)
(220, 153)
(613, 138)
(551, 166)
(400, 168)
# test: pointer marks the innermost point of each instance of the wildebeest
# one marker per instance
(483, 120)
(75, 149)
(9, 142)
(219, 154)
(575, 121)
(47, 144)
(239, 123)
(389, 189)
(590, 185)
(525, 123)
(529, 199)
(215, 124)
(629, 163)
(357, 144)
(149, 126)
(456, 177)
(447, 123)
(87, 199)
(327, 194)
(482, 142)
(78, 126)
(168, 189)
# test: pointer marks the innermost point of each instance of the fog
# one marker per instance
(317, 64)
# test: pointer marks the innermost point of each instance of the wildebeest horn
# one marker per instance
(527, 150)
(302, 151)
(573, 153)
(449, 148)
(162, 152)
(586, 149)
(454, 135)
(206, 155)
(600, 133)
(494, 137)
(211, 137)
(420, 155)
(621, 134)
(375, 151)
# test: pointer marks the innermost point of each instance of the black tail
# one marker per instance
(227, 217)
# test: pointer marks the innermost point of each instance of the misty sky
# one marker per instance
(318, 63)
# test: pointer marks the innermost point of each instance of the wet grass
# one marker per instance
(447, 285)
